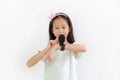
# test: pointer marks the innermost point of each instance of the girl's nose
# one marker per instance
(60, 30)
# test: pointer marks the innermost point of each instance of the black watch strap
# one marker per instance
(62, 47)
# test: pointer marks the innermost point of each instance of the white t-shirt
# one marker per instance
(62, 67)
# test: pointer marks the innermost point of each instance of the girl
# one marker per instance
(59, 65)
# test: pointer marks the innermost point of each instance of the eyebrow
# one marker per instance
(61, 25)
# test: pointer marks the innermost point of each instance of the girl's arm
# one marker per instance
(75, 48)
(33, 60)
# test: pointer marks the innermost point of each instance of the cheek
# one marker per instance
(55, 34)
(66, 33)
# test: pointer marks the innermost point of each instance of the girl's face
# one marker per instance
(60, 26)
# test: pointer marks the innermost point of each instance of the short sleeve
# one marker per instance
(79, 54)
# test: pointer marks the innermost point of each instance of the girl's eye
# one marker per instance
(56, 28)
(63, 27)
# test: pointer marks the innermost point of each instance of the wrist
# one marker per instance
(47, 48)
(67, 46)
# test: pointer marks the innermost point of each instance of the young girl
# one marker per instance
(59, 65)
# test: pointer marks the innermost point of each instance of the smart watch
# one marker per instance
(62, 47)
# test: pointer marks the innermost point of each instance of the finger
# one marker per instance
(46, 58)
(50, 59)
(51, 42)
(56, 40)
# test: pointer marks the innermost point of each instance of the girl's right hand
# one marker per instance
(50, 53)
(52, 46)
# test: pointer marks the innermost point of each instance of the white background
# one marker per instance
(24, 30)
